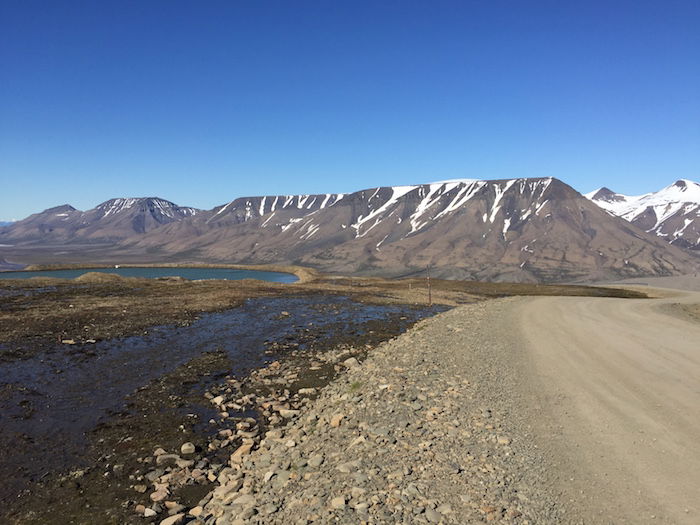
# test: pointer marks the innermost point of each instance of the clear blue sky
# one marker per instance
(202, 102)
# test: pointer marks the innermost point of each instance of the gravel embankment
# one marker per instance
(427, 429)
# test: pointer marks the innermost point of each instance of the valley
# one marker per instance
(441, 357)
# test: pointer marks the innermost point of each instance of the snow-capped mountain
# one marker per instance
(673, 213)
(516, 229)
(249, 208)
(114, 219)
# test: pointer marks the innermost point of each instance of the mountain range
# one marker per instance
(537, 230)
(672, 213)
(114, 219)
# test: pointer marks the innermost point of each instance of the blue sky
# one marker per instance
(203, 102)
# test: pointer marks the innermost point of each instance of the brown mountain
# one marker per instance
(517, 229)
(112, 220)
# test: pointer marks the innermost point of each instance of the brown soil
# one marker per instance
(100, 306)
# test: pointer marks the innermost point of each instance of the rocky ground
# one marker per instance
(421, 431)
(113, 477)
(422, 428)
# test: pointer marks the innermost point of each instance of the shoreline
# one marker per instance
(304, 274)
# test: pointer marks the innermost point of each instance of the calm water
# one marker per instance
(152, 273)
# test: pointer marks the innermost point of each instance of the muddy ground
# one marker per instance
(52, 476)
(39, 311)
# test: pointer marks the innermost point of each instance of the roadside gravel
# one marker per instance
(429, 428)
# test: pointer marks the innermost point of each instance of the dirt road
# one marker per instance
(617, 390)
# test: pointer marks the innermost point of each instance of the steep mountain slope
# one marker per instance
(289, 206)
(672, 213)
(518, 229)
(112, 220)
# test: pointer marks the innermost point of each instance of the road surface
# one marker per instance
(615, 385)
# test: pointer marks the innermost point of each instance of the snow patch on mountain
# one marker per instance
(659, 212)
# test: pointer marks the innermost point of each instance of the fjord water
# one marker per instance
(153, 273)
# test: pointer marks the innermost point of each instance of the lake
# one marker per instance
(153, 273)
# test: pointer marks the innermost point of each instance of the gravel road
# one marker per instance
(622, 379)
(519, 410)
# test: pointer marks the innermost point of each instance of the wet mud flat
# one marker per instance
(85, 426)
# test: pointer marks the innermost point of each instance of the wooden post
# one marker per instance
(430, 290)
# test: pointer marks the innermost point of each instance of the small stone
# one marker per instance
(502, 440)
(268, 509)
(290, 444)
(149, 513)
(357, 492)
(287, 413)
(173, 520)
(217, 400)
(241, 451)
(315, 461)
(361, 508)
(245, 500)
(159, 452)
(140, 488)
(338, 503)
(167, 458)
(268, 476)
(432, 515)
(351, 362)
(348, 467)
(188, 448)
(159, 495)
(336, 419)
(196, 511)
(68, 341)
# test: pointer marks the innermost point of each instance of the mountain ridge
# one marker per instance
(523, 229)
(113, 219)
(672, 213)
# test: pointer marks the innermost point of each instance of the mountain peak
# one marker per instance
(685, 183)
(605, 194)
(672, 212)
(63, 208)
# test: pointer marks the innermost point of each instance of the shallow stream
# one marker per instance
(50, 402)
